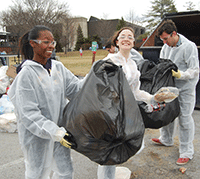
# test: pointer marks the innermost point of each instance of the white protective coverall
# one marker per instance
(39, 100)
(137, 57)
(133, 76)
(185, 56)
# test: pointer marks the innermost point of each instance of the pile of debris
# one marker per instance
(8, 122)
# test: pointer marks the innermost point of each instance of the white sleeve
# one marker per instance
(189, 74)
(133, 77)
(22, 94)
(141, 95)
(192, 61)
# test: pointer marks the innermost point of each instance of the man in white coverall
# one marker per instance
(184, 54)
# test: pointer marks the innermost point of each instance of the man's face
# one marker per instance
(168, 39)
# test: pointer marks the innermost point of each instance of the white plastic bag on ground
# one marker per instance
(122, 173)
(8, 123)
(4, 79)
(6, 105)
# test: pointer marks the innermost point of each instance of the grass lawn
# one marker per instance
(72, 60)
(80, 65)
(75, 63)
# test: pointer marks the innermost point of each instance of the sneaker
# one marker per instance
(182, 161)
(157, 141)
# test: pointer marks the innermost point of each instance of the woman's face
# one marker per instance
(125, 40)
(44, 45)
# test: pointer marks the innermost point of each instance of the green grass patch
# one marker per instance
(80, 65)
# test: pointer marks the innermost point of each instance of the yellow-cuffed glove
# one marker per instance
(176, 74)
(68, 141)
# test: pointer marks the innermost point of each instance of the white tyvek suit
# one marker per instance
(39, 100)
(137, 57)
(133, 76)
(185, 57)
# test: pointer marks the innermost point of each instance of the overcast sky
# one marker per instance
(115, 10)
(110, 9)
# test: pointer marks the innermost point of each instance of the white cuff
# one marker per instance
(60, 134)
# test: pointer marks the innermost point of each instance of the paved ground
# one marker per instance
(154, 162)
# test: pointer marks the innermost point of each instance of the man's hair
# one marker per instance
(167, 26)
(108, 45)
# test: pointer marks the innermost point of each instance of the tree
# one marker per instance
(189, 6)
(33, 12)
(157, 11)
(87, 43)
(80, 38)
(122, 23)
(25, 14)
(69, 32)
(133, 18)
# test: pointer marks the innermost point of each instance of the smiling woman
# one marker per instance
(124, 40)
(39, 94)
(43, 46)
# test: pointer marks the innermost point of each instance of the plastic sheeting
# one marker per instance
(4, 79)
(6, 105)
(153, 77)
(8, 123)
(104, 117)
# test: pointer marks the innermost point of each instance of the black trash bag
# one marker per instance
(104, 117)
(153, 77)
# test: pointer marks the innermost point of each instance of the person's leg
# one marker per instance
(186, 125)
(62, 162)
(167, 134)
(106, 172)
(36, 165)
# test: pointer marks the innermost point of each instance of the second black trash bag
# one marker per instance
(104, 117)
(153, 77)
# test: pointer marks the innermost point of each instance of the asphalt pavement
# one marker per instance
(155, 161)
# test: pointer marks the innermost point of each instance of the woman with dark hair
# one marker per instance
(39, 93)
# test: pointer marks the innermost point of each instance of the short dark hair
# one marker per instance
(167, 26)
(108, 45)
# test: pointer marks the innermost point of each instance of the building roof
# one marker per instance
(181, 14)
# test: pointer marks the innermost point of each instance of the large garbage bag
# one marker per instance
(153, 77)
(104, 117)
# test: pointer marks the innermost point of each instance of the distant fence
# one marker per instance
(10, 59)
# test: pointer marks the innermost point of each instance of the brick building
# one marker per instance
(106, 28)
